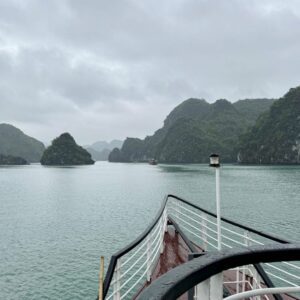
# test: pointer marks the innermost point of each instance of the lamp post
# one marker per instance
(215, 163)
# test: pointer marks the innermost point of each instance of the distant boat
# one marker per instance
(152, 161)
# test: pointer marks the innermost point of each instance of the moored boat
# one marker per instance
(152, 161)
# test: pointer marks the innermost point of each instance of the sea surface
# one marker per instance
(56, 222)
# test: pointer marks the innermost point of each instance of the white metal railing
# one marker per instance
(201, 228)
(135, 268)
(263, 292)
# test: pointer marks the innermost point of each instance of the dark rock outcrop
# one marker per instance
(64, 151)
(12, 160)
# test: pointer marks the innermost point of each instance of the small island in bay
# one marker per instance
(6, 160)
(15, 143)
(65, 152)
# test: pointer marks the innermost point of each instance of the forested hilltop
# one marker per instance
(65, 152)
(13, 142)
(275, 138)
(193, 130)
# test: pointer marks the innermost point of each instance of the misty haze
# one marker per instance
(149, 150)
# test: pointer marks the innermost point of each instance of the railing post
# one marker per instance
(245, 271)
(166, 220)
(202, 290)
(162, 233)
(204, 231)
(216, 287)
(117, 284)
(243, 278)
(256, 283)
(237, 288)
(148, 259)
(210, 289)
(176, 209)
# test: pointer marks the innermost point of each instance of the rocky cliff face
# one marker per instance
(275, 138)
(14, 142)
(65, 151)
(192, 131)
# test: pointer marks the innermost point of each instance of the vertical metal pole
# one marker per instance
(162, 233)
(256, 280)
(245, 271)
(166, 220)
(115, 286)
(216, 282)
(218, 204)
(237, 280)
(191, 292)
(117, 294)
(216, 287)
(204, 231)
(148, 259)
(203, 291)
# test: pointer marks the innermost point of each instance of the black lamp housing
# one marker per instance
(214, 160)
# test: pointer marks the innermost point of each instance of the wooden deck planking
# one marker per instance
(176, 253)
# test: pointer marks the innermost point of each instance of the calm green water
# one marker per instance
(56, 222)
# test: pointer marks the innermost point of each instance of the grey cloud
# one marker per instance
(108, 69)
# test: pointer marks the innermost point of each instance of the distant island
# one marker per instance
(13, 142)
(65, 152)
(100, 150)
(250, 131)
(12, 160)
(193, 130)
(256, 131)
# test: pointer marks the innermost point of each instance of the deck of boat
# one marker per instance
(176, 252)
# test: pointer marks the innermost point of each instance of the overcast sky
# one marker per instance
(104, 69)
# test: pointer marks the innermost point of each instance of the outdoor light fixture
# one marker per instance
(214, 160)
(217, 280)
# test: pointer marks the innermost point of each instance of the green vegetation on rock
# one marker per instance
(14, 142)
(65, 151)
(12, 160)
(193, 130)
(252, 108)
(275, 138)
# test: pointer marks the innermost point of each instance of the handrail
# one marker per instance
(261, 233)
(264, 291)
(120, 253)
(141, 237)
(177, 281)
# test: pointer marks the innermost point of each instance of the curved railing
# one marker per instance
(197, 272)
(156, 228)
(130, 268)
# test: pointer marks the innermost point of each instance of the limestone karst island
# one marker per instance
(65, 152)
